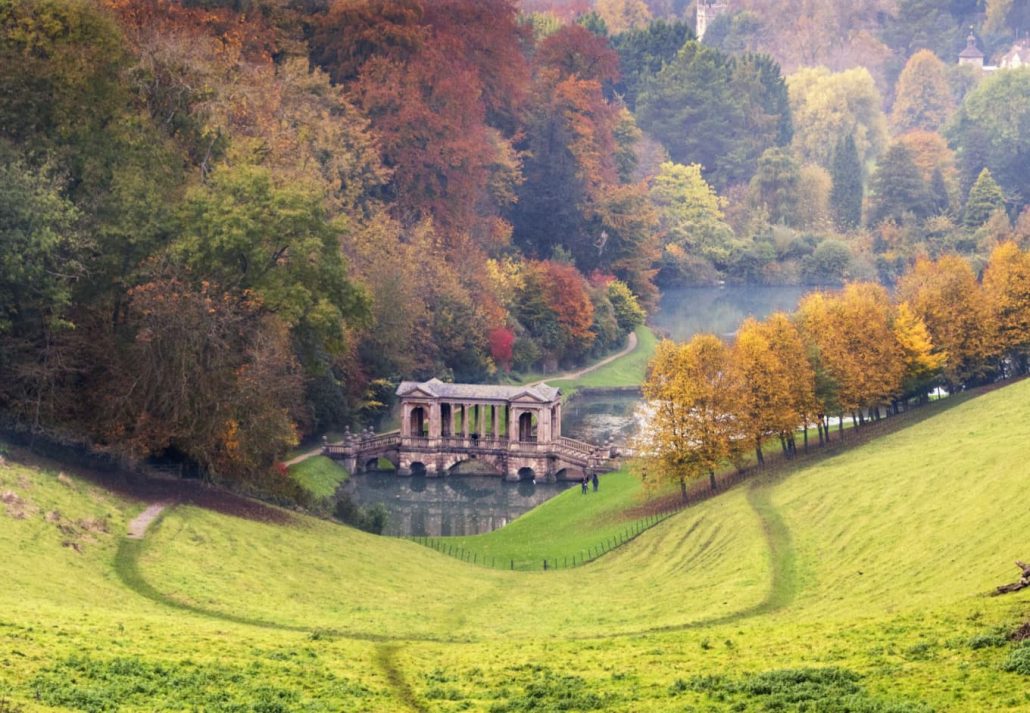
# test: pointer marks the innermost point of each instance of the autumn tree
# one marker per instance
(797, 403)
(208, 376)
(622, 15)
(761, 401)
(1006, 285)
(947, 297)
(690, 432)
(855, 343)
(923, 97)
(923, 362)
(826, 106)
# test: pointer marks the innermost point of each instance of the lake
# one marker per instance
(472, 504)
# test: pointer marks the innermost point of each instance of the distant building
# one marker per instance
(972, 55)
(1018, 56)
(707, 11)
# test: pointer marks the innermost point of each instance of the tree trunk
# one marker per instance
(683, 489)
(840, 424)
(758, 452)
(806, 439)
(711, 480)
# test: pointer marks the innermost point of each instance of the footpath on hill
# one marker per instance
(631, 344)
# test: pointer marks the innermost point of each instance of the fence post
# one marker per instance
(545, 565)
(513, 565)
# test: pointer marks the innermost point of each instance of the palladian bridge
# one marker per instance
(513, 431)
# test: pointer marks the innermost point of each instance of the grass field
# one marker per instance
(855, 584)
(319, 475)
(624, 372)
(570, 525)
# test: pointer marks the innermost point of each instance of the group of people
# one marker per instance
(587, 479)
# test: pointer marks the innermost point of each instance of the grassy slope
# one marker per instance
(319, 475)
(570, 523)
(764, 577)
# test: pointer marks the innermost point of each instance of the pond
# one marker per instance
(472, 504)
(456, 505)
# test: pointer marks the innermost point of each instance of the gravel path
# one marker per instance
(140, 523)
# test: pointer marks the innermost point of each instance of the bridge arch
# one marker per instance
(526, 473)
(570, 473)
(418, 468)
(475, 466)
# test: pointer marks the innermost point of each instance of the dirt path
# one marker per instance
(140, 523)
(631, 344)
(303, 456)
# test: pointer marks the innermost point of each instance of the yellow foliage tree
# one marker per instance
(1006, 285)
(799, 405)
(690, 387)
(923, 363)
(853, 337)
(947, 297)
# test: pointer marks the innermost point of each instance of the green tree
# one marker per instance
(690, 213)
(717, 111)
(898, 188)
(775, 185)
(249, 234)
(846, 194)
(827, 105)
(985, 197)
(643, 52)
(990, 130)
(923, 97)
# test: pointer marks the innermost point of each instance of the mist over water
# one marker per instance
(686, 311)
(471, 504)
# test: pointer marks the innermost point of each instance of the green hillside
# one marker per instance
(857, 583)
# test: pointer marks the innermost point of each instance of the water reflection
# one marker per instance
(455, 505)
(684, 312)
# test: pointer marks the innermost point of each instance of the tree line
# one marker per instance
(859, 352)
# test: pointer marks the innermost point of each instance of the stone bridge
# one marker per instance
(511, 431)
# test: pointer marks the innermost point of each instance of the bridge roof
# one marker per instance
(472, 392)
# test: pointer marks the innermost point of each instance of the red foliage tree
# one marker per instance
(502, 342)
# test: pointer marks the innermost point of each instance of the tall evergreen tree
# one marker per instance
(898, 187)
(985, 197)
(846, 194)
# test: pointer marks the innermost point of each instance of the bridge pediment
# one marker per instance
(527, 397)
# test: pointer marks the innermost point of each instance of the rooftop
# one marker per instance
(493, 392)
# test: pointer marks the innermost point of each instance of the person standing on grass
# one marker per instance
(583, 485)
(593, 478)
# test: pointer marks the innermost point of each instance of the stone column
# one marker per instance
(543, 425)
(513, 423)
(496, 424)
(464, 420)
(481, 420)
(435, 430)
(405, 420)
(556, 424)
